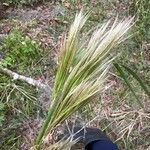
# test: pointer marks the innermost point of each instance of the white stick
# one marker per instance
(28, 80)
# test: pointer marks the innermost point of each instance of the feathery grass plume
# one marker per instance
(77, 84)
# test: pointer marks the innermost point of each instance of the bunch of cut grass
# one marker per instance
(78, 83)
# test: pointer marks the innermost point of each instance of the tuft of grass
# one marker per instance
(17, 104)
(78, 83)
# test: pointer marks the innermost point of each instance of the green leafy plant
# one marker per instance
(22, 51)
(81, 71)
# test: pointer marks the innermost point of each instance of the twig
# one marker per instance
(28, 80)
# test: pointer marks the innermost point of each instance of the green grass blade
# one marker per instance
(123, 76)
(142, 84)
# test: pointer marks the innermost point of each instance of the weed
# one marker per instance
(22, 51)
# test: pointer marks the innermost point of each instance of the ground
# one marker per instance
(117, 111)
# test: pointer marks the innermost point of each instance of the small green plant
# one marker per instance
(81, 71)
(22, 51)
